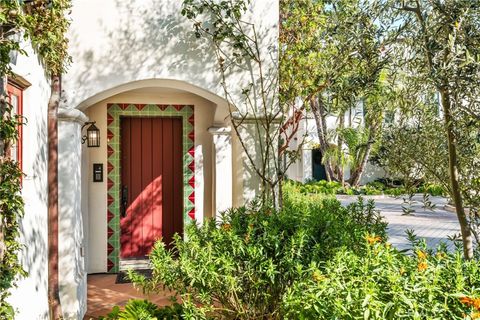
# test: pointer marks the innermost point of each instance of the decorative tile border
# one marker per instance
(114, 112)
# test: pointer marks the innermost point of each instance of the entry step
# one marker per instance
(135, 264)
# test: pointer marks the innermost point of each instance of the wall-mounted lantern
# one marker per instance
(93, 135)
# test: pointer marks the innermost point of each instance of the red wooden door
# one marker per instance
(151, 193)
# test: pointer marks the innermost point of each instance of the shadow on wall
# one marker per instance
(125, 41)
(71, 262)
(247, 173)
(148, 41)
(33, 227)
(145, 40)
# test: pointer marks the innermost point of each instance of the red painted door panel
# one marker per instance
(152, 183)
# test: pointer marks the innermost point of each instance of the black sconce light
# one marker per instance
(93, 135)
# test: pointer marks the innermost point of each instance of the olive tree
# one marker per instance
(264, 126)
(335, 58)
(440, 52)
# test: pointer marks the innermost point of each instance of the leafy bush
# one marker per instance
(313, 260)
(242, 268)
(376, 185)
(317, 187)
(145, 310)
(432, 189)
(383, 283)
(340, 226)
(372, 188)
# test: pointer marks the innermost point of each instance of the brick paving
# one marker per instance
(103, 294)
(434, 226)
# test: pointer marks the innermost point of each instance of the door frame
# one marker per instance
(114, 112)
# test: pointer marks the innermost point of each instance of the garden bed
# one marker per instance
(315, 259)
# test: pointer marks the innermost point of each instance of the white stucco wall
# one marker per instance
(73, 276)
(30, 298)
(97, 194)
(116, 42)
(122, 45)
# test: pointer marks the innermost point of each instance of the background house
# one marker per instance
(309, 166)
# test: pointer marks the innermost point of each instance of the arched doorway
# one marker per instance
(191, 177)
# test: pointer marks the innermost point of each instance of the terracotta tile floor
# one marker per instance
(103, 294)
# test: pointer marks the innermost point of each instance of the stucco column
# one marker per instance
(223, 173)
(73, 277)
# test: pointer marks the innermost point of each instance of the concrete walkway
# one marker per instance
(434, 226)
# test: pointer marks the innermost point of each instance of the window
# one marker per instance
(15, 95)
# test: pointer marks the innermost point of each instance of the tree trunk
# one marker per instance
(317, 108)
(357, 173)
(449, 129)
(53, 280)
(453, 172)
(340, 167)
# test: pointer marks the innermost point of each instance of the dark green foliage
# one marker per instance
(372, 188)
(382, 283)
(11, 203)
(318, 187)
(144, 310)
(11, 210)
(241, 268)
(313, 260)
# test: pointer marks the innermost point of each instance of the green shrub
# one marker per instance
(242, 268)
(383, 283)
(145, 310)
(313, 260)
(317, 187)
(435, 190)
(376, 185)
(371, 188)
(395, 191)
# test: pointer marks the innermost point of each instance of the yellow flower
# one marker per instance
(227, 227)
(318, 276)
(475, 315)
(422, 255)
(373, 239)
(440, 255)
(402, 271)
(422, 266)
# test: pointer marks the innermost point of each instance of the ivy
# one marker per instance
(44, 24)
(11, 206)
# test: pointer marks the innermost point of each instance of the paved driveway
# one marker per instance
(435, 226)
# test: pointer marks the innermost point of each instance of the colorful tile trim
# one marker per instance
(114, 112)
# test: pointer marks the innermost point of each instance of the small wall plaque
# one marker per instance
(98, 172)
